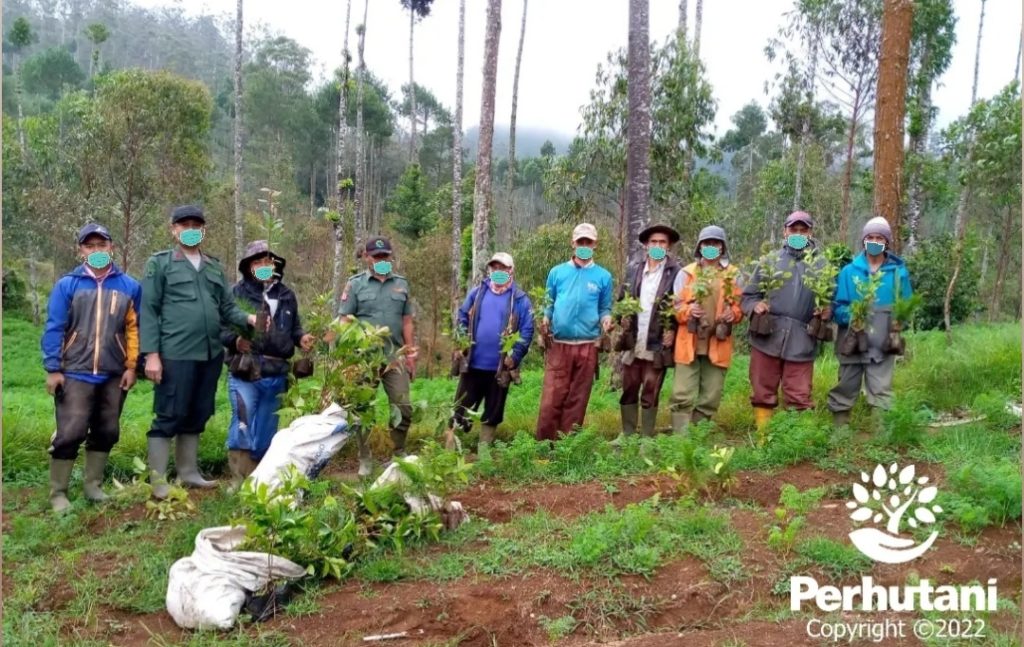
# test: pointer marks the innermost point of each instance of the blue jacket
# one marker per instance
(523, 311)
(582, 297)
(846, 289)
(92, 329)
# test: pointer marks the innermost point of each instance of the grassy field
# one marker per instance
(567, 545)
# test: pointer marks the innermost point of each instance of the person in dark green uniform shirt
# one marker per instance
(380, 297)
(185, 300)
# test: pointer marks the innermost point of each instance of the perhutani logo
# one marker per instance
(889, 495)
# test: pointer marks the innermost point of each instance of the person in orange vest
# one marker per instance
(707, 307)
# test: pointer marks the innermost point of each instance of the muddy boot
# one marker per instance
(698, 417)
(761, 417)
(365, 457)
(235, 467)
(840, 419)
(95, 463)
(60, 476)
(483, 450)
(186, 461)
(630, 414)
(680, 422)
(648, 418)
(159, 454)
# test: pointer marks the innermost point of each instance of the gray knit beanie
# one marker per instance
(880, 226)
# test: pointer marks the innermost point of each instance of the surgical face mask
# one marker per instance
(797, 241)
(710, 252)
(873, 248)
(584, 253)
(382, 267)
(657, 253)
(264, 272)
(191, 237)
(499, 277)
(98, 260)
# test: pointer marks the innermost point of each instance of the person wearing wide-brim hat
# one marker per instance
(255, 386)
(707, 307)
(647, 338)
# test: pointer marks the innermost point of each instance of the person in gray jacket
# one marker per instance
(786, 354)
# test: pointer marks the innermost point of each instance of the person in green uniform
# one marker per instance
(185, 301)
(380, 297)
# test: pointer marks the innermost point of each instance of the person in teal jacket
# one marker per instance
(873, 366)
(580, 295)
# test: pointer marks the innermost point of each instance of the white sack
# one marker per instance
(308, 444)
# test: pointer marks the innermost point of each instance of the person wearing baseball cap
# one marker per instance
(785, 356)
(494, 309)
(380, 297)
(90, 346)
(646, 339)
(579, 293)
(870, 369)
(185, 302)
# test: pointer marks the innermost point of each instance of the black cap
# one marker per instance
(92, 229)
(378, 245)
(187, 211)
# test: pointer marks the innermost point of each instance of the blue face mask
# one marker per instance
(797, 241)
(710, 252)
(98, 260)
(584, 253)
(657, 253)
(264, 273)
(382, 267)
(874, 249)
(499, 277)
(191, 237)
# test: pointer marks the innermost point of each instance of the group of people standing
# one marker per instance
(187, 323)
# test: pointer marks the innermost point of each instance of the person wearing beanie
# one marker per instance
(646, 341)
(185, 301)
(707, 307)
(786, 355)
(873, 367)
(254, 391)
(90, 346)
(579, 292)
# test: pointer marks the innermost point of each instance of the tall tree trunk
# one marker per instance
(698, 18)
(918, 139)
(482, 191)
(21, 115)
(412, 90)
(312, 190)
(959, 224)
(638, 127)
(239, 215)
(1002, 264)
(511, 174)
(33, 286)
(682, 19)
(340, 255)
(360, 135)
(890, 111)
(851, 137)
(805, 132)
(457, 169)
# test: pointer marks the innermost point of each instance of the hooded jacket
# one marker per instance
(893, 269)
(276, 346)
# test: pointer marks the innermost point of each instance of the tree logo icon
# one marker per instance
(888, 495)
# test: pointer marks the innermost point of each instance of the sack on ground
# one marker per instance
(308, 444)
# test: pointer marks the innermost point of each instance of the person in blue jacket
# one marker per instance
(580, 295)
(872, 367)
(495, 308)
(90, 346)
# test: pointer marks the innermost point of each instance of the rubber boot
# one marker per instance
(761, 417)
(698, 417)
(235, 467)
(680, 422)
(60, 476)
(840, 419)
(95, 463)
(483, 450)
(159, 454)
(648, 418)
(365, 457)
(630, 414)
(186, 461)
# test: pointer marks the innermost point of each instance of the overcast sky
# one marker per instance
(566, 39)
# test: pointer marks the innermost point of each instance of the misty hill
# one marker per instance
(528, 141)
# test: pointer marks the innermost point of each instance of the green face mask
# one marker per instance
(584, 253)
(499, 277)
(191, 237)
(657, 253)
(796, 241)
(710, 253)
(98, 260)
(382, 267)
(264, 273)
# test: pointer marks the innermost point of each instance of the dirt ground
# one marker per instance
(686, 605)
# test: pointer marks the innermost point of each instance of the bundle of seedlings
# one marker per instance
(902, 316)
(769, 279)
(820, 279)
(624, 334)
(244, 365)
(700, 290)
(667, 314)
(541, 302)
(461, 343)
(723, 329)
(861, 312)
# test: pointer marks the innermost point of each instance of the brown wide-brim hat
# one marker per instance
(673, 235)
(256, 249)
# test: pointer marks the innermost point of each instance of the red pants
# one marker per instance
(796, 377)
(641, 382)
(568, 376)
